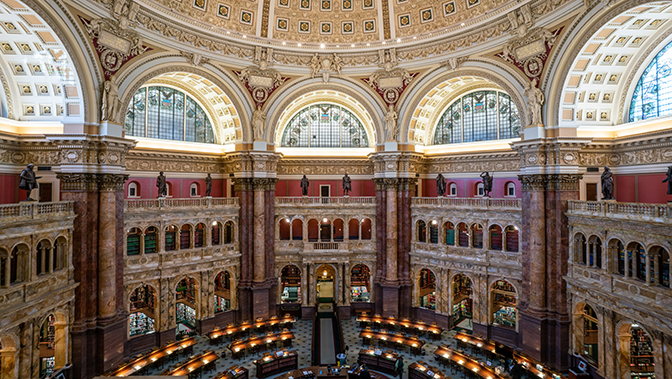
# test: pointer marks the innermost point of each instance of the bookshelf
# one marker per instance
(139, 324)
(641, 353)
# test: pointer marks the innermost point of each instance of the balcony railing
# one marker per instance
(35, 210)
(467, 203)
(144, 204)
(659, 212)
(306, 200)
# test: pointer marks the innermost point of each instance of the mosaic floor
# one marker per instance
(302, 344)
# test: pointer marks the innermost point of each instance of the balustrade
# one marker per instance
(143, 204)
(33, 210)
(657, 212)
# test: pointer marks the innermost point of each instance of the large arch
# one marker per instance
(47, 28)
(229, 114)
(578, 85)
(472, 75)
(366, 105)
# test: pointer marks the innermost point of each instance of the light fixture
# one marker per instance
(414, 37)
(321, 46)
(433, 222)
(325, 220)
(383, 42)
(353, 45)
(324, 273)
(463, 24)
(284, 43)
(337, 46)
(368, 44)
(299, 45)
(398, 39)
(214, 223)
(244, 36)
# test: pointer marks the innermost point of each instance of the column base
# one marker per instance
(260, 303)
(110, 345)
(544, 339)
(390, 297)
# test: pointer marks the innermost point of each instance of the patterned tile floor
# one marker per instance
(303, 330)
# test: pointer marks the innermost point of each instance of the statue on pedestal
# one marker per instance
(161, 185)
(208, 185)
(347, 185)
(28, 180)
(441, 185)
(607, 184)
(535, 99)
(304, 186)
(487, 183)
(110, 102)
(668, 179)
(258, 121)
(391, 124)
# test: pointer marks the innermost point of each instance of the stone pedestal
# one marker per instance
(390, 299)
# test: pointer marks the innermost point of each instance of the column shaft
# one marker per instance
(259, 236)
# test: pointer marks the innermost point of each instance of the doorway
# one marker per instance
(45, 192)
(325, 284)
(591, 191)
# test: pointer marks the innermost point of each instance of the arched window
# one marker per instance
(215, 231)
(228, 232)
(44, 257)
(450, 233)
(427, 289)
(366, 229)
(511, 238)
(133, 241)
(581, 249)
(47, 344)
(452, 189)
(185, 237)
(222, 292)
(510, 189)
(166, 113)
(463, 238)
(142, 310)
(193, 190)
(504, 303)
(150, 240)
(590, 344)
(313, 230)
(284, 229)
(478, 116)
(199, 235)
(290, 281)
(495, 237)
(171, 236)
(653, 93)
(338, 230)
(480, 190)
(477, 233)
(324, 125)
(359, 283)
(133, 190)
(422, 231)
(353, 229)
(297, 230)
(434, 232)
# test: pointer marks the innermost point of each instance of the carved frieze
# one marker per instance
(529, 52)
(390, 81)
(325, 167)
(141, 161)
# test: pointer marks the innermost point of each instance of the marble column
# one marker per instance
(259, 236)
(304, 284)
(106, 257)
(609, 347)
(657, 338)
(391, 234)
(60, 344)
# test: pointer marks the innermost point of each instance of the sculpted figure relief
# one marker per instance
(440, 185)
(110, 101)
(535, 99)
(347, 185)
(161, 185)
(28, 181)
(258, 121)
(607, 184)
(391, 123)
(487, 183)
(304, 186)
(668, 179)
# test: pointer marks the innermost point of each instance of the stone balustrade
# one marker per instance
(206, 202)
(34, 210)
(467, 203)
(324, 201)
(623, 211)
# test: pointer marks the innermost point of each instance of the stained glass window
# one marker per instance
(324, 125)
(653, 93)
(166, 113)
(478, 116)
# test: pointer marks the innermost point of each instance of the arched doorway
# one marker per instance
(590, 343)
(47, 346)
(427, 289)
(185, 307)
(142, 312)
(222, 292)
(360, 276)
(325, 276)
(636, 355)
(462, 289)
(504, 303)
(290, 283)
(8, 358)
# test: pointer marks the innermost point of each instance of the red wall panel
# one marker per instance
(624, 186)
(9, 189)
(651, 189)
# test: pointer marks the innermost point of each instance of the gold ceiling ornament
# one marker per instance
(125, 12)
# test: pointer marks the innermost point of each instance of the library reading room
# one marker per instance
(336, 189)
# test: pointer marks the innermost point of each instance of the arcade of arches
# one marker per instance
(299, 168)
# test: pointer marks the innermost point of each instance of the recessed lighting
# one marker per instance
(299, 45)
(398, 39)
(383, 42)
(337, 46)
(353, 45)
(244, 36)
(368, 44)
(415, 37)
(321, 46)
(283, 43)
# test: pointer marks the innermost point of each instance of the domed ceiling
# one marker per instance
(335, 23)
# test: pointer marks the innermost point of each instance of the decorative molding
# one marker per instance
(325, 167)
(390, 81)
(529, 53)
(78, 182)
(260, 82)
(551, 182)
(112, 182)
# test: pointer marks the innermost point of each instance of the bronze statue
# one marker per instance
(668, 179)
(607, 184)
(347, 186)
(208, 185)
(28, 180)
(487, 183)
(161, 185)
(304, 186)
(441, 185)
